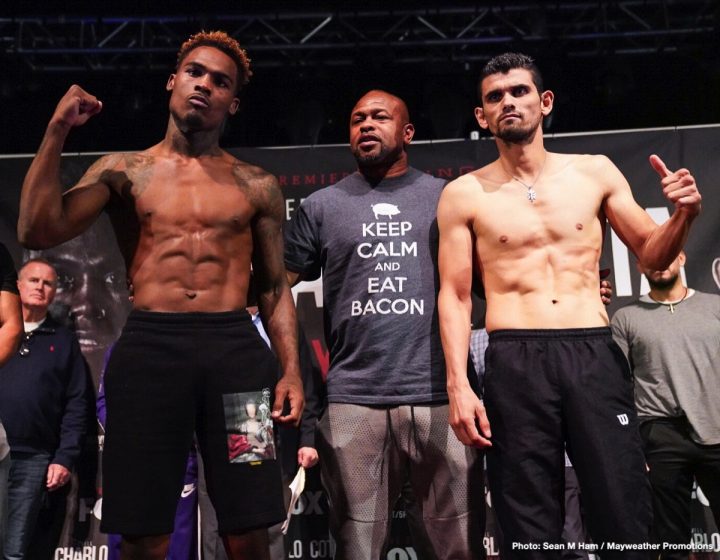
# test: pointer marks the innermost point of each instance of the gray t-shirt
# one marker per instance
(377, 249)
(675, 358)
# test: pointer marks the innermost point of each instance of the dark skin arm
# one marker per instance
(47, 217)
(275, 302)
(11, 325)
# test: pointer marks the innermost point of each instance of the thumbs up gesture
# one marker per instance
(678, 187)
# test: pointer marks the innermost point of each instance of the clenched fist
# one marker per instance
(76, 107)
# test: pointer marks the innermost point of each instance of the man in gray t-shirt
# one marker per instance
(671, 338)
(374, 237)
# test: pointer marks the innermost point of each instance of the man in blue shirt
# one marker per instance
(43, 404)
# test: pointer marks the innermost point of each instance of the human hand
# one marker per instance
(606, 289)
(308, 457)
(288, 388)
(467, 412)
(57, 477)
(678, 187)
(76, 107)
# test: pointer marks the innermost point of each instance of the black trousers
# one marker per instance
(675, 460)
(49, 525)
(548, 389)
(573, 532)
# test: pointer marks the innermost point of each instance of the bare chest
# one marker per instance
(553, 213)
(189, 200)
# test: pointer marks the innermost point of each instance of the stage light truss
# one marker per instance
(454, 32)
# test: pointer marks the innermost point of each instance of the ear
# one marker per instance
(408, 133)
(234, 106)
(480, 117)
(681, 258)
(170, 83)
(547, 98)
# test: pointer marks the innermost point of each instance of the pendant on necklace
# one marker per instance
(531, 194)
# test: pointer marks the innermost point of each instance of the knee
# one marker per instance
(144, 547)
(253, 544)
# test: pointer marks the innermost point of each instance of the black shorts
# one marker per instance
(548, 390)
(175, 374)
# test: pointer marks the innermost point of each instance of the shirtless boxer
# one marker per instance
(531, 223)
(190, 221)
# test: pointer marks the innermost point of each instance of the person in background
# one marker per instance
(373, 235)
(671, 337)
(43, 404)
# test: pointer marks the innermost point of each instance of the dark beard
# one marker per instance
(371, 160)
(516, 135)
(663, 283)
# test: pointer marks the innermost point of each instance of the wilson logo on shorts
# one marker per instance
(623, 419)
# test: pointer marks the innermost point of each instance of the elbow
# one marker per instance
(451, 295)
(33, 238)
(17, 334)
(17, 339)
(450, 302)
(14, 340)
(272, 294)
(24, 235)
(656, 261)
(27, 240)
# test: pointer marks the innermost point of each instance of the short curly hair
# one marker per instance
(223, 42)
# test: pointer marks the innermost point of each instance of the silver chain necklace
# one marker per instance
(531, 194)
(671, 304)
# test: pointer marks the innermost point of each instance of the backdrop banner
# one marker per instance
(93, 295)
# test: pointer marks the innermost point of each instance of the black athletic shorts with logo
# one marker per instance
(545, 389)
(172, 375)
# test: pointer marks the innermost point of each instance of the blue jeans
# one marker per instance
(26, 487)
